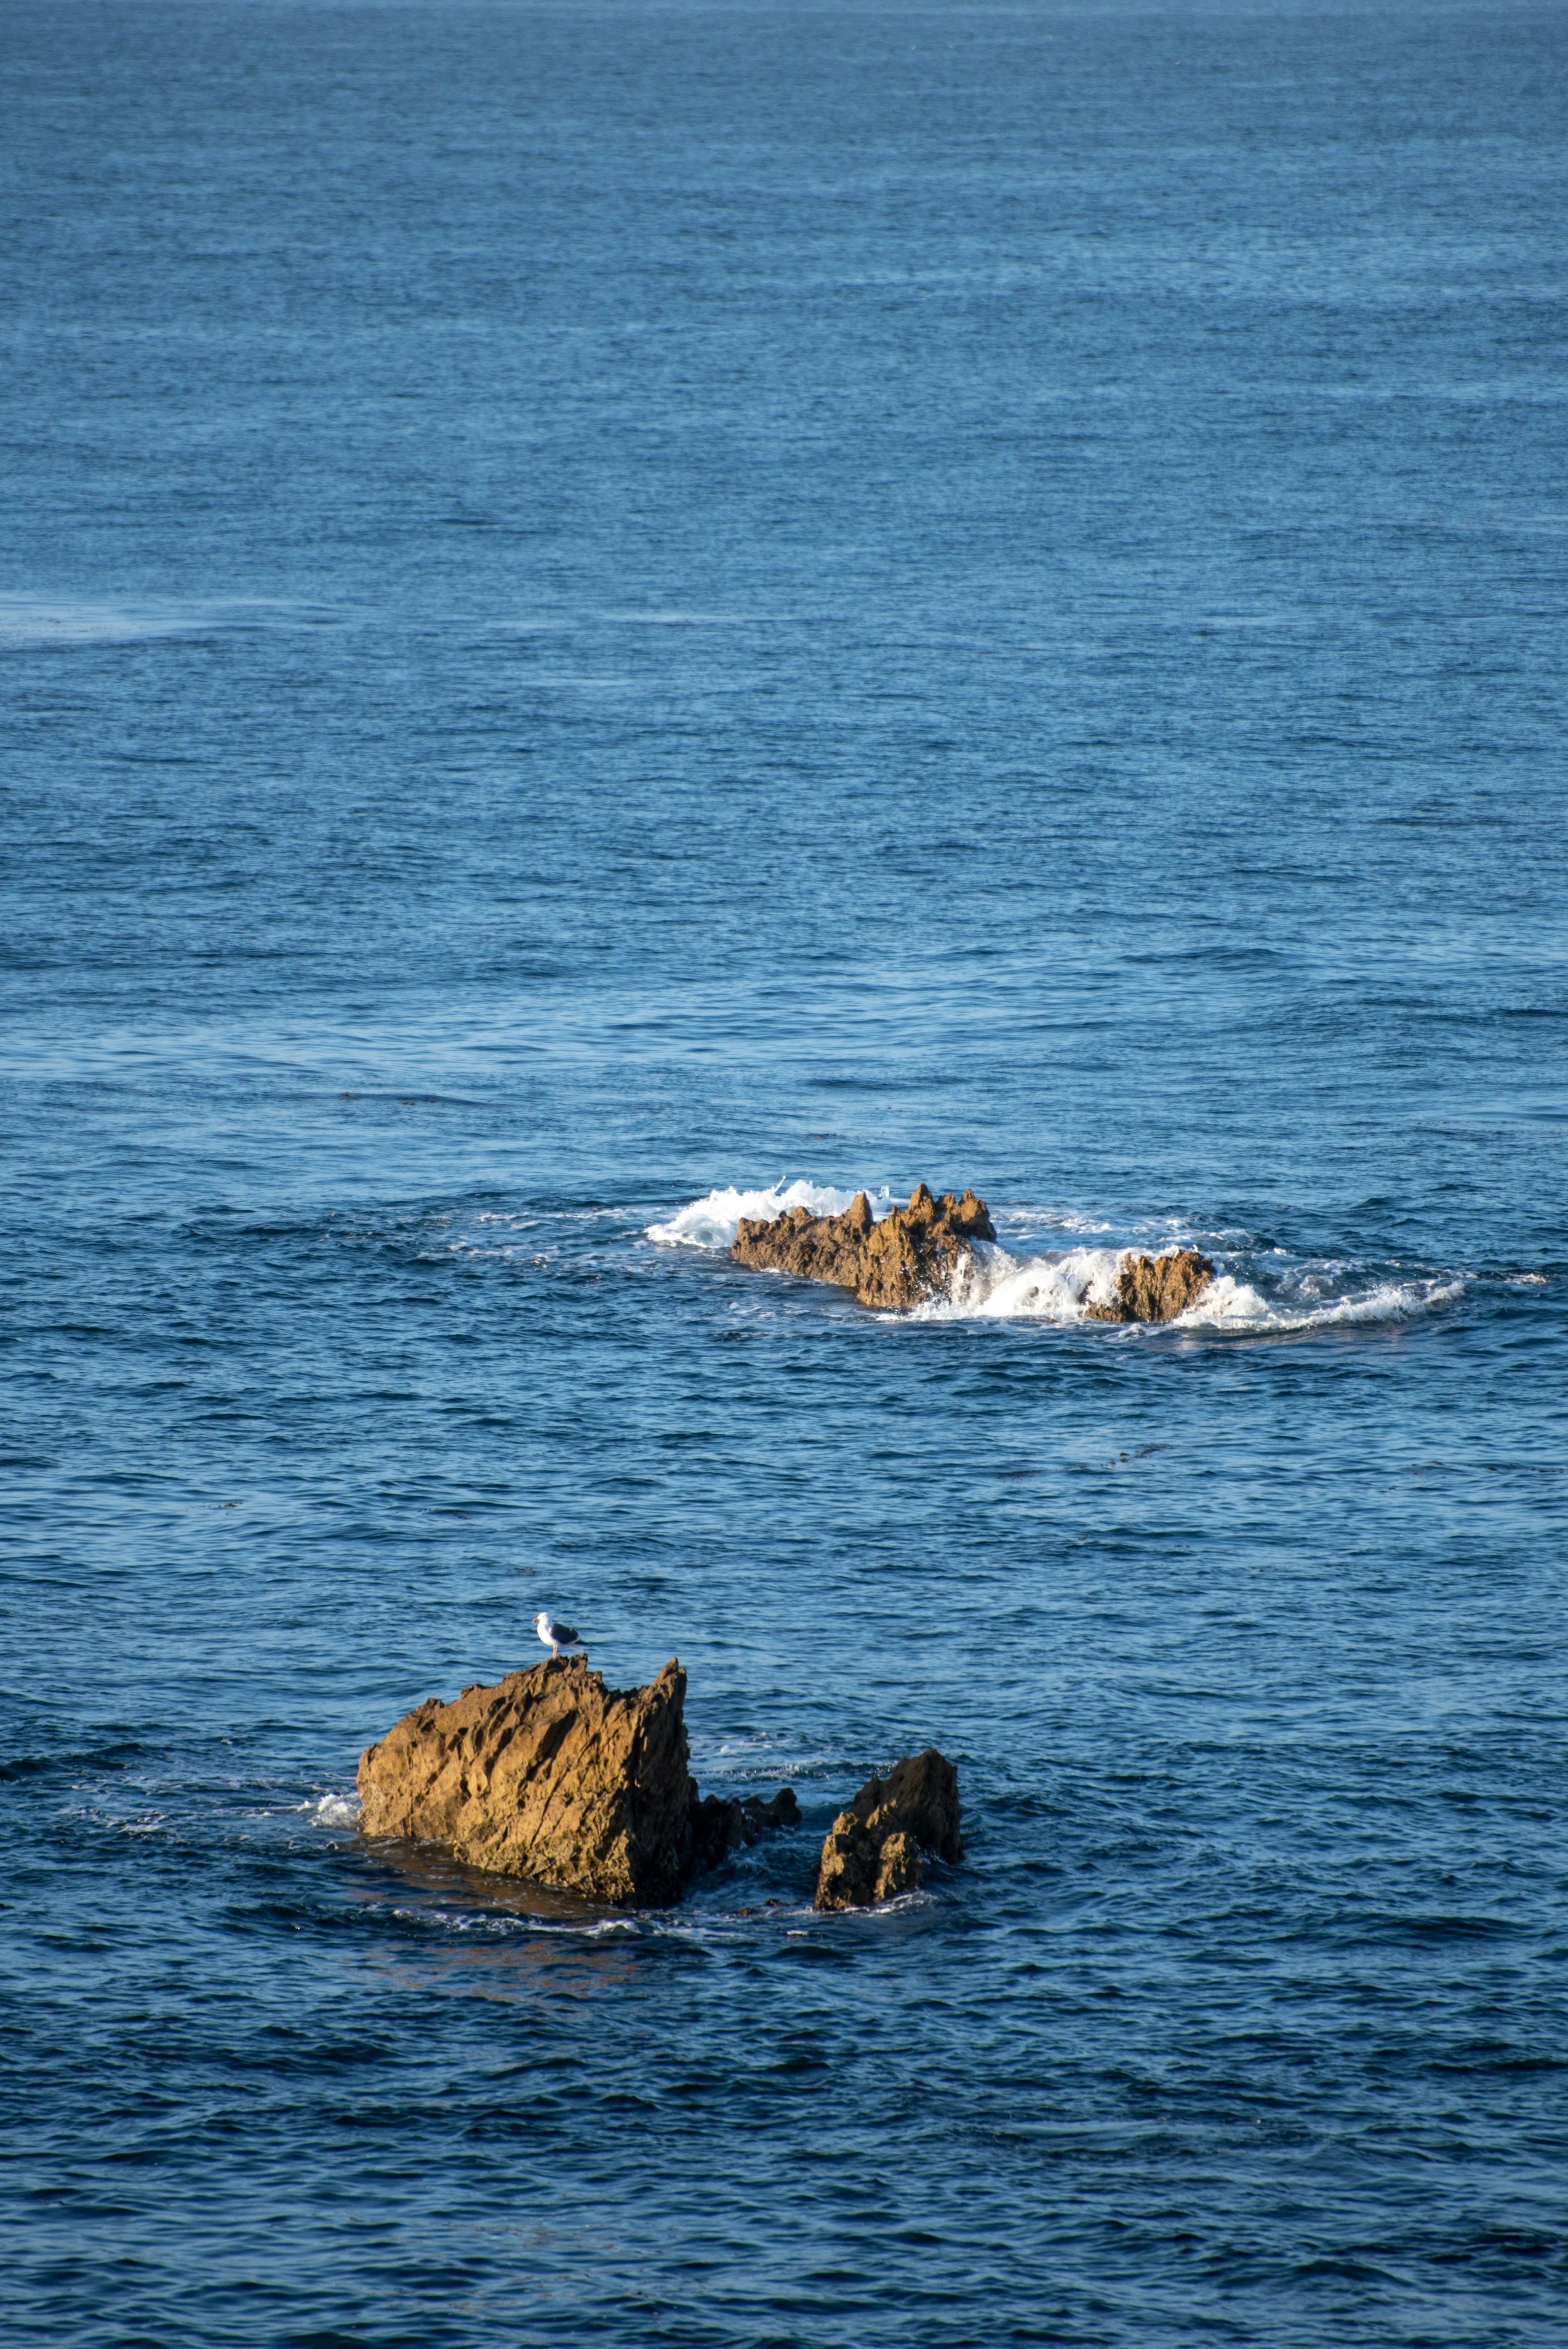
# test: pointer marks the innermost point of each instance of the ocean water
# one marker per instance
(613, 611)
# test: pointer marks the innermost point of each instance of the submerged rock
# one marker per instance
(911, 1254)
(719, 1827)
(1156, 1288)
(877, 1847)
(552, 1776)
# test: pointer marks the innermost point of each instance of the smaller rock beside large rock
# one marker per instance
(877, 1848)
(1156, 1288)
(892, 1265)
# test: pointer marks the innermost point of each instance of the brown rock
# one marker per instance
(1156, 1288)
(909, 1255)
(877, 1847)
(550, 1775)
(553, 1776)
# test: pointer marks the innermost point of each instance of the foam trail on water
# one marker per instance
(1232, 1304)
(27, 620)
(712, 1222)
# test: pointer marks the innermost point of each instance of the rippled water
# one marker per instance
(612, 613)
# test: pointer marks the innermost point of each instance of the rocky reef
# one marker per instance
(914, 1253)
(910, 1255)
(1156, 1288)
(877, 1848)
(552, 1776)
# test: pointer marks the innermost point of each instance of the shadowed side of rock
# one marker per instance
(892, 1265)
(719, 1827)
(1156, 1288)
(877, 1848)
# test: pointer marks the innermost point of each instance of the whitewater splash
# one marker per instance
(1263, 1291)
(998, 1286)
(333, 1810)
(712, 1222)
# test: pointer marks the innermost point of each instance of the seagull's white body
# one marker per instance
(556, 1635)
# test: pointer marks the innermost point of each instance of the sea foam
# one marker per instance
(334, 1810)
(997, 1286)
(27, 620)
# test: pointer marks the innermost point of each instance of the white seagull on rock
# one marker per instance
(556, 1635)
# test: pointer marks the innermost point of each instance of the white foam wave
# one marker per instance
(491, 1925)
(711, 1222)
(993, 1285)
(334, 1810)
(1230, 1304)
(996, 1286)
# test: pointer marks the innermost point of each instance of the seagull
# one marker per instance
(556, 1635)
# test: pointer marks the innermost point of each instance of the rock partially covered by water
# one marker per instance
(553, 1776)
(1156, 1288)
(876, 1849)
(719, 1827)
(910, 1255)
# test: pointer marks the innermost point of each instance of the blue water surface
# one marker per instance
(603, 604)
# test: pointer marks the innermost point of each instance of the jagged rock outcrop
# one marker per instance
(1156, 1288)
(909, 1255)
(877, 1847)
(553, 1776)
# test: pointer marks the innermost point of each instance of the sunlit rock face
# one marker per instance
(1156, 1288)
(910, 1255)
(877, 1848)
(548, 1774)
(552, 1776)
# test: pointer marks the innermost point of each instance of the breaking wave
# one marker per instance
(333, 1810)
(1253, 1290)
(711, 1222)
(998, 1286)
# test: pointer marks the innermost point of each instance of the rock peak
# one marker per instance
(548, 1774)
(877, 1848)
(1156, 1288)
(553, 1776)
(892, 1265)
